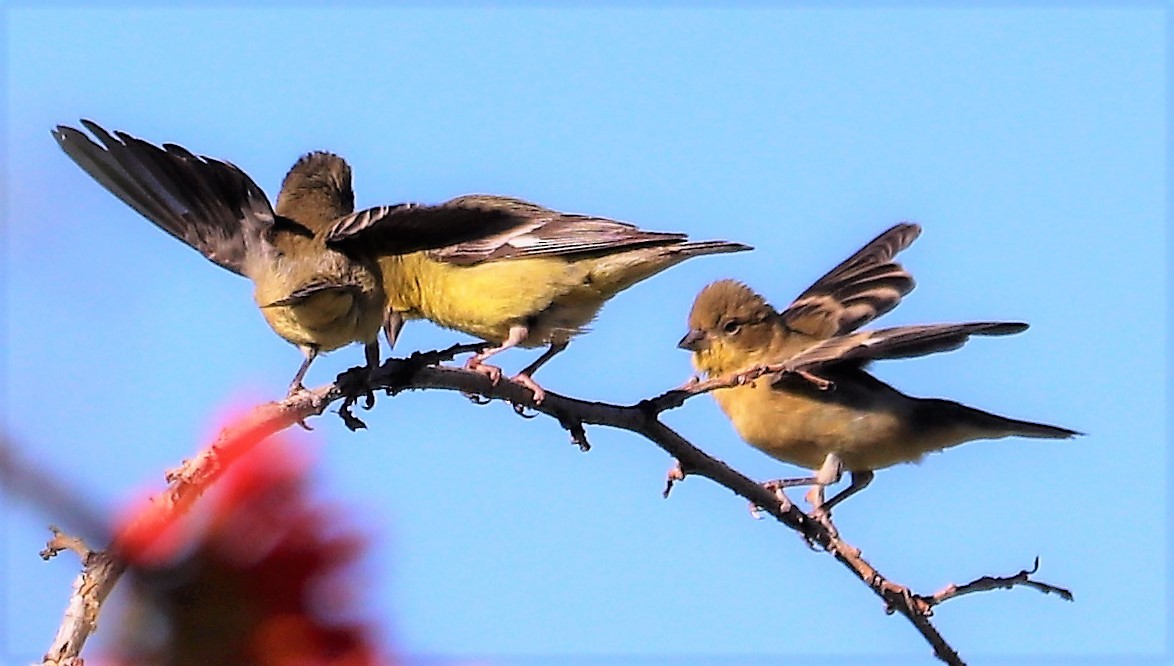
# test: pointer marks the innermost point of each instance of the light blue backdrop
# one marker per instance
(1029, 141)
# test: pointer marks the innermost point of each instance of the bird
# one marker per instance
(539, 278)
(312, 293)
(825, 411)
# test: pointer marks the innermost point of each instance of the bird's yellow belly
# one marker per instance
(802, 431)
(486, 300)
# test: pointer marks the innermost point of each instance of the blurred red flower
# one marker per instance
(257, 573)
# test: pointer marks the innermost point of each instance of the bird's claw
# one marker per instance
(525, 380)
(520, 410)
(491, 371)
(675, 475)
(475, 398)
(356, 382)
(823, 517)
(351, 421)
(775, 487)
(353, 384)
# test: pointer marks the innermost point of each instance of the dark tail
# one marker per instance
(947, 415)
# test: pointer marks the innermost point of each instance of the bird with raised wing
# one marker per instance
(825, 412)
(314, 295)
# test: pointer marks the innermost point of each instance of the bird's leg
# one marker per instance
(393, 323)
(295, 386)
(311, 353)
(829, 473)
(526, 376)
(857, 482)
(476, 363)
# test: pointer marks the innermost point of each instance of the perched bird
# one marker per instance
(316, 276)
(314, 294)
(828, 413)
(537, 279)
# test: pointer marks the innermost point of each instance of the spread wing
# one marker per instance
(863, 287)
(480, 227)
(210, 205)
(897, 342)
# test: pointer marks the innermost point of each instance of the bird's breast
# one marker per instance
(796, 428)
(345, 305)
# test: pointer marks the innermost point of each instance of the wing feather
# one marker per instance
(210, 205)
(858, 290)
(896, 342)
(478, 228)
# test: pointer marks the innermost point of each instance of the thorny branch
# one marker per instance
(419, 371)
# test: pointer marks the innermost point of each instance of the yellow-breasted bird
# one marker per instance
(316, 276)
(838, 417)
(538, 277)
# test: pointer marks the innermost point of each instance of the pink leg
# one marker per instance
(526, 376)
(477, 361)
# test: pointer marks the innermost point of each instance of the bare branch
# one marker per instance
(987, 583)
(419, 372)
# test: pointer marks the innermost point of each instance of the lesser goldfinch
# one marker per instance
(312, 294)
(846, 419)
(539, 281)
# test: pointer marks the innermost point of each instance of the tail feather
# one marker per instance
(698, 248)
(948, 415)
(615, 272)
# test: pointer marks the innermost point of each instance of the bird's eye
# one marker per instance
(731, 327)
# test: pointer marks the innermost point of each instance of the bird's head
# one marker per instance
(317, 189)
(730, 327)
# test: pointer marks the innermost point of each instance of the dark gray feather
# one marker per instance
(858, 290)
(210, 205)
(897, 342)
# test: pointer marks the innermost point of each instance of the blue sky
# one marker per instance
(1030, 142)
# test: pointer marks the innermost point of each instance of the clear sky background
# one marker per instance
(1030, 142)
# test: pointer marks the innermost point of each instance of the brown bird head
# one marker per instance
(730, 326)
(317, 190)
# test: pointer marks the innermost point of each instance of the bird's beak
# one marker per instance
(694, 341)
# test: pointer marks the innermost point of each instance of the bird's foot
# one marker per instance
(528, 381)
(294, 389)
(674, 476)
(491, 371)
(355, 383)
(476, 399)
(824, 517)
(776, 486)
